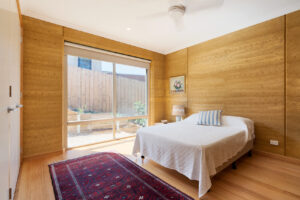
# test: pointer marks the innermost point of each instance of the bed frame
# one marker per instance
(246, 150)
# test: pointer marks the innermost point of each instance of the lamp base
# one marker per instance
(178, 118)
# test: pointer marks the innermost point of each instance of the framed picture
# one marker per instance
(177, 84)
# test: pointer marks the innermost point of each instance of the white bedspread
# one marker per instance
(194, 150)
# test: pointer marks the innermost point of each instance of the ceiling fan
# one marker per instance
(178, 8)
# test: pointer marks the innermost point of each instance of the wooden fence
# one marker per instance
(92, 91)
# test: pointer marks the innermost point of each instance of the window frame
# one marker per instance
(114, 117)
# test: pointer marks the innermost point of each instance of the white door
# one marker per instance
(10, 39)
(4, 102)
(14, 100)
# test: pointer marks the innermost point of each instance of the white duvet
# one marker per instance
(194, 150)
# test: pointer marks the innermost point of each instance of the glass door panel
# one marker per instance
(90, 98)
(131, 89)
(127, 128)
(90, 89)
(83, 134)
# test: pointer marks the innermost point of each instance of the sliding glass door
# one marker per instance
(107, 97)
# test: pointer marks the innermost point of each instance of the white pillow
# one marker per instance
(192, 119)
(241, 122)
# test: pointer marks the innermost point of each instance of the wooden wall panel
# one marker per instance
(176, 65)
(293, 85)
(42, 79)
(242, 73)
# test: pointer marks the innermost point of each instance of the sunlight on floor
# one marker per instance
(85, 139)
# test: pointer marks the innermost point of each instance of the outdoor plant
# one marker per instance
(82, 109)
(139, 107)
(141, 110)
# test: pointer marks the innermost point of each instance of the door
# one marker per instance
(10, 39)
(14, 97)
(4, 102)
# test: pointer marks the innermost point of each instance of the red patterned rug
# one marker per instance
(108, 176)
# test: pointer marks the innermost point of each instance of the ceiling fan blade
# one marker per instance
(194, 5)
(179, 25)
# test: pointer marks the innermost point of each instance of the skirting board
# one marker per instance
(277, 156)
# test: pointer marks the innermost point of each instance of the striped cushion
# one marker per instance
(210, 118)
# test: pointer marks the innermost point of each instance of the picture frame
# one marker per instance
(177, 84)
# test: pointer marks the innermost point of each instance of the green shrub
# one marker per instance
(141, 110)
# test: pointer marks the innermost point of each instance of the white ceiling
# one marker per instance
(112, 18)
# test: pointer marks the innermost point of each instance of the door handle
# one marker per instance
(13, 108)
(10, 109)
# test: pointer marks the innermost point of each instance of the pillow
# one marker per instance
(210, 118)
(192, 119)
(241, 122)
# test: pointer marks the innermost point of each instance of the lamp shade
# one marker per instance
(178, 110)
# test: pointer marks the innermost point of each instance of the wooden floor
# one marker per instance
(257, 177)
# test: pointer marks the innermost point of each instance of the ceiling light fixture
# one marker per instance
(176, 12)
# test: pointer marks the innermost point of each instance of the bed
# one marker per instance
(196, 151)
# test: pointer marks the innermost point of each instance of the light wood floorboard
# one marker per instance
(257, 177)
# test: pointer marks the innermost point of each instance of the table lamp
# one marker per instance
(178, 111)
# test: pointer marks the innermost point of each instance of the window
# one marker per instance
(84, 63)
(107, 95)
